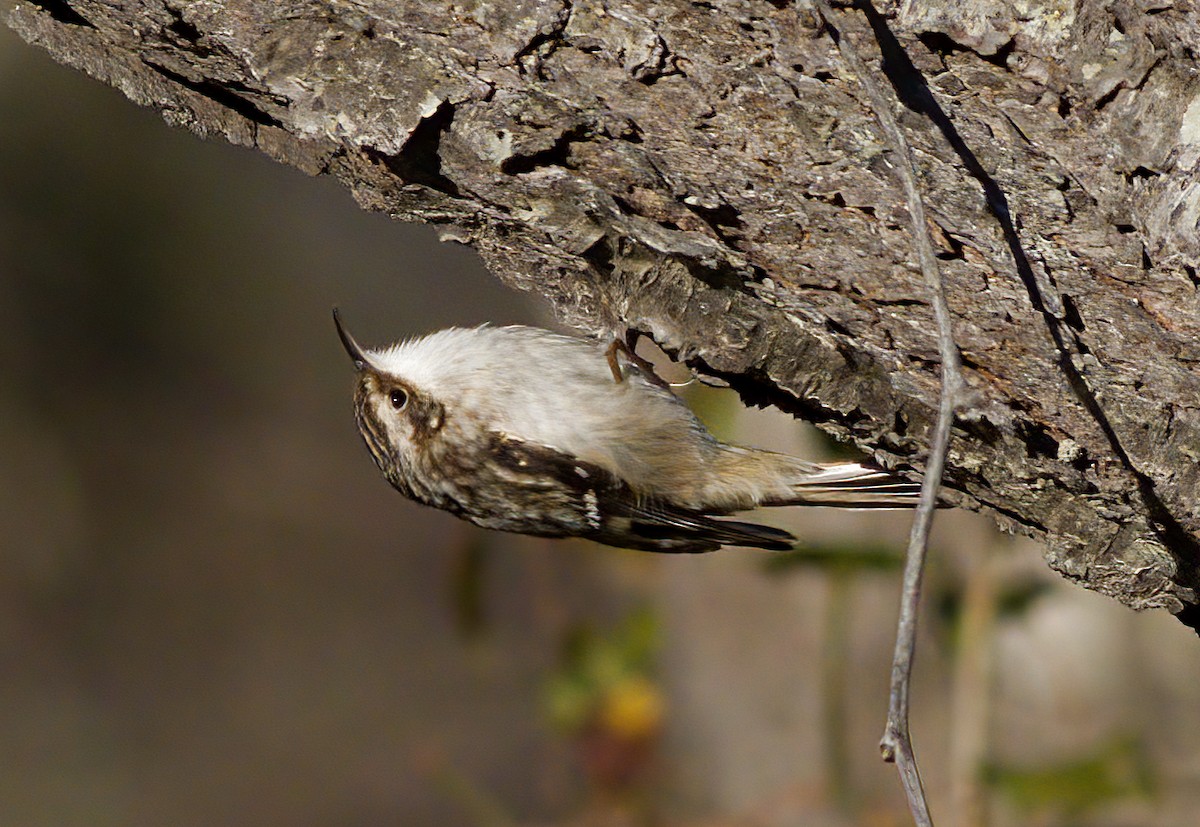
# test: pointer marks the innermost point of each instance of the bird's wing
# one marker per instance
(661, 527)
(568, 491)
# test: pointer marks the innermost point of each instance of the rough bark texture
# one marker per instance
(709, 173)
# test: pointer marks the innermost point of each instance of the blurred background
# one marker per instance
(213, 610)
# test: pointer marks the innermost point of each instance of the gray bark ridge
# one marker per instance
(710, 174)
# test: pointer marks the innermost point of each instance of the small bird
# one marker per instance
(521, 429)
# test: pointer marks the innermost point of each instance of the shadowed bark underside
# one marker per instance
(711, 174)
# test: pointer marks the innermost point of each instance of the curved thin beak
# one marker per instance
(352, 347)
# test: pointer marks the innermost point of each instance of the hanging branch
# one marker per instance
(896, 744)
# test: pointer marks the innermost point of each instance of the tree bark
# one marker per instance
(710, 174)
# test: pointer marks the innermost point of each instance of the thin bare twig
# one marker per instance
(896, 745)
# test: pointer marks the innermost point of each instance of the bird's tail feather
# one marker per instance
(851, 485)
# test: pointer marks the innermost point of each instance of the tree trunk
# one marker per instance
(711, 174)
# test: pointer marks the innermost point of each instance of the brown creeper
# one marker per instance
(521, 429)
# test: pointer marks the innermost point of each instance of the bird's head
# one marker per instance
(394, 417)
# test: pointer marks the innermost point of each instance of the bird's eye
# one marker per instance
(399, 399)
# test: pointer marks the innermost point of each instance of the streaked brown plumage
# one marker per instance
(520, 429)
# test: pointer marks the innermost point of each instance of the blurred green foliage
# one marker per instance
(846, 557)
(1071, 790)
(1015, 598)
(467, 579)
(607, 679)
